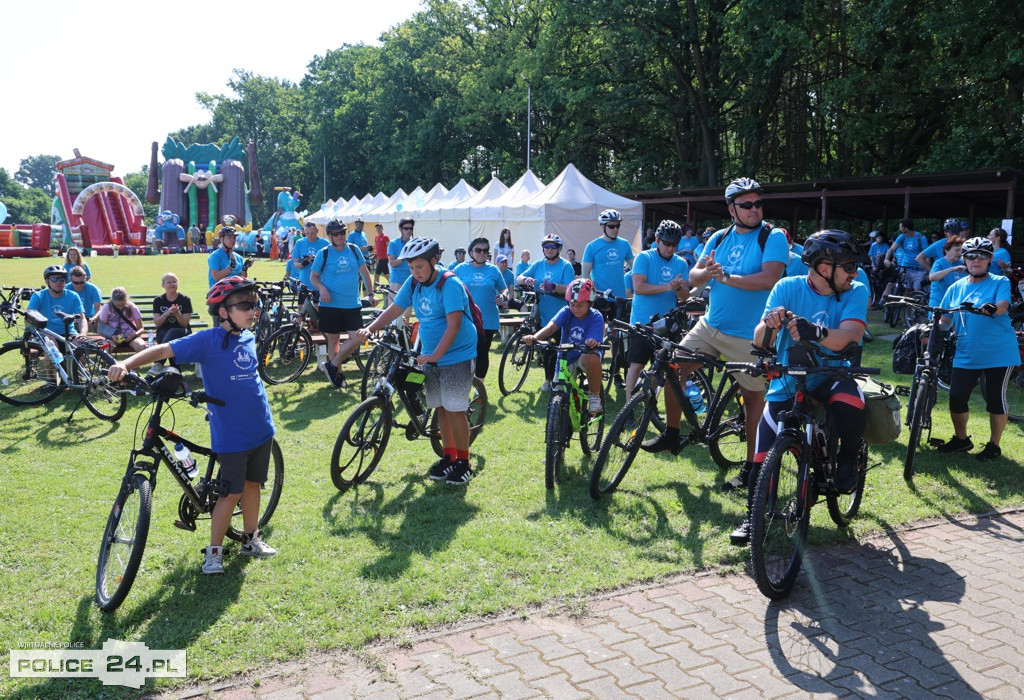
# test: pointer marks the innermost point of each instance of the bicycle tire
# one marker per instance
(25, 379)
(555, 438)
(476, 414)
(918, 408)
(285, 354)
(843, 508)
(616, 362)
(779, 518)
(516, 361)
(913, 315)
(375, 367)
(366, 431)
(120, 530)
(268, 499)
(727, 433)
(622, 442)
(591, 426)
(1015, 395)
(100, 397)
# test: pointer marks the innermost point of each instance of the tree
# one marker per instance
(25, 205)
(38, 171)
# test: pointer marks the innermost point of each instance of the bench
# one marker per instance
(145, 304)
(509, 323)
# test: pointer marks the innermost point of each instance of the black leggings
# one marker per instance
(172, 333)
(483, 353)
(962, 383)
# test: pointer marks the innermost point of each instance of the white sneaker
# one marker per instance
(214, 561)
(546, 386)
(594, 405)
(254, 546)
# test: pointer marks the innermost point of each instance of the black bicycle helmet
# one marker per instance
(952, 225)
(334, 226)
(979, 245)
(420, 248)
(59, 271)
(739, 186)
(669, 231)
(832, 245)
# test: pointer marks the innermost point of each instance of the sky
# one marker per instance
(109, 77)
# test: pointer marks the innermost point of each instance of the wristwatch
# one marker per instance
(725, 275)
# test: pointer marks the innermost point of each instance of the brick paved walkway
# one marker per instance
(934, 611)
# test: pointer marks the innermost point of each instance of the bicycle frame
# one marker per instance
(389, 386)
(565, 383)
(65, 369)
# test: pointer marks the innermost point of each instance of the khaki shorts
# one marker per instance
(703, 338)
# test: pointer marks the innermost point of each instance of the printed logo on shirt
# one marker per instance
(344, 263)
(576, 334)
(612, 255)
(819, 317)
(243, 360)
(424, 307)
(666, 273)
(479, 278)
(735, 255)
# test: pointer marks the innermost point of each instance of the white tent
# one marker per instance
(488, 218)
(384, 212)
(428, 218)
(569, 207)
(324, 215)
(455, 221)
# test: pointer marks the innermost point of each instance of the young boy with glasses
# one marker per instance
(241, 431)
(57, 297)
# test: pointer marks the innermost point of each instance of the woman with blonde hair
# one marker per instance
(74, 257)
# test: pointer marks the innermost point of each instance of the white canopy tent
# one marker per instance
(455, 221)
(488, 218)
(428, 218)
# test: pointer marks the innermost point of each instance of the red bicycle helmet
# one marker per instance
(580, 289)
(222, 289)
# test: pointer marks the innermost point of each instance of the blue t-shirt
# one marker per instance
(301, 249)
(795, 267)
(608, 258)
(340, 275)
(933, 251)
(230, 375)
(454, 264)
(697, 252)
(907, 248)
(627, 281)
(688, 244)
(574, 330)
(939, 287)
(68, 302)
(508, 278)
(359, 238)
(522, 267)
(880, 249)
(84, 265)
(982, 341)
(560, 273)
(797, 295)
(1000, 255)
(218, 260)
(400, 272)
(738, 311)
(90, 295)
(432, 307)
(484, 283)
(657, 270)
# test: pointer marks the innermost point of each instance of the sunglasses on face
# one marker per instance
(58, 279)
(612, 225)
(338, 233)
(481, 250)
(78, 280)
(244, 305)
(976, 256)
(749, 205)
(848, 267)
(550, 246)
(670, 244)
(407, 228)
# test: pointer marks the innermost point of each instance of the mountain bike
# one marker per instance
(42, 364)
(617, 362)
(124, 538)
(903, 288)
(10, 304)
(568, 413)
(399, 332)
(721, 426)
(518, 357)
(364, 436)
(800, 466)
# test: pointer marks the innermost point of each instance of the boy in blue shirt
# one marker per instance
(225, 262)
(550, 275)
(57, 297)
(449, 343)
(579, 323)
(241, 431)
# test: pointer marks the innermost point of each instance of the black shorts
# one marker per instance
(339, 320)
(383, 268)
(640, 351)
(236, 468)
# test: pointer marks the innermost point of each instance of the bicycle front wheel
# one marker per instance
(270, 494)
(555, 437)
(727, 432)
(843, 508)
(26, 377)
(591, 426)
(124, 540)
(375, 367)
(361, 443)
(621, 444)
(1015, 394)
(99, 396)
(779, 518)
(920, 409)
(285, 354)
(476, 414)
(516, 361)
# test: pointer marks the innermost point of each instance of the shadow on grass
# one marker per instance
(183, 607)
(431, 514)
(865, 601)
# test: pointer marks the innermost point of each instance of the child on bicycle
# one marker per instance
(241, 432)
(579, 323)
(448, 338)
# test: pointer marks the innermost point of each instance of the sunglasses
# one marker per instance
(976, 256)
(58, 279)
(550, 246)
(670, 244)
(481, 250)
(78, 280)
(749, 205)
(244, 305)
(612, 225)
(406, 228)
(848, 267)
(337, 233)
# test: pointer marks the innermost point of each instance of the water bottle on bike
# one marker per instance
(51, 350)
(695, 397)
(184, 456)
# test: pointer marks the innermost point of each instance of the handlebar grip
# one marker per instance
(202, 397)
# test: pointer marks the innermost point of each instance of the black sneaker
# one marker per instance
(846, 476)
(741, 535)
(336, 376)
(460, 474)
(955, 444)
(662, 443)
(441, 468)
(990, 452)
(740, 480)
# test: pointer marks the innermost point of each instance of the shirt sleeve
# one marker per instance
(776, 248)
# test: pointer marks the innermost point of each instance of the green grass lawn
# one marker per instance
(400, 552)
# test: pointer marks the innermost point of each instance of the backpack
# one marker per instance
(762, 236)
(882, 412)
(474, 311)
(907, 348)
(351, 246)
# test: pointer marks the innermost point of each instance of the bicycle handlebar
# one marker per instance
(143, 386)
(967, 306)
(572, 347)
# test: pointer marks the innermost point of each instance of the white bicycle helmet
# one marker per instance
(552, 238)
(420, 248)
(608, 216)
(739, 186)
(978, 245)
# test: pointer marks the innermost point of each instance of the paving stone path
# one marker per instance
(934, 611)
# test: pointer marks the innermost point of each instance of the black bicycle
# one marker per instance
(903, 288)
(518, 357)
(364, 436)
(800, 466)
(720, 425)
(124, 538)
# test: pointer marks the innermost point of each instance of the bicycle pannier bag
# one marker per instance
(882, 407)
(906, 348)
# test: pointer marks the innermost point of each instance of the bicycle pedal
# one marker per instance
(218, 488)
(188, 527)
(902, 390)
